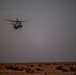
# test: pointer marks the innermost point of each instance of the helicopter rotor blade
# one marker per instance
(25, 20)
(10, 20)
(12, 23)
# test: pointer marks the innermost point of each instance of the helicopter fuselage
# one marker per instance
(17, 25)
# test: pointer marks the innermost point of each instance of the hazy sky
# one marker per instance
(49, 36)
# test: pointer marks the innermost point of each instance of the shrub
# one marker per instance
(39, 65)
(28, 70)
(48, 64)
(73, 69)
(54, 63)
(31, 65)
(38, 69)
(65, 70)
(59, 68)
(12, 68)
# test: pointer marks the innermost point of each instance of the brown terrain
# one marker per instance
(45, 68)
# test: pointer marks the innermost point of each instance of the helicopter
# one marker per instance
(16, 23)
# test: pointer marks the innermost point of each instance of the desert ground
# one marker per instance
(38, 68)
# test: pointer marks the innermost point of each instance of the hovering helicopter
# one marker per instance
(16, 23)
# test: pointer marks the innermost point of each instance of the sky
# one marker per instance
(48, 36)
